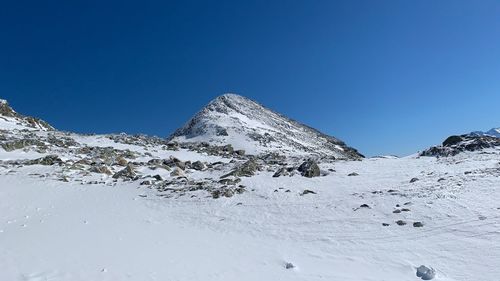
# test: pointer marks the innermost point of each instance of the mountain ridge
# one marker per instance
(246, 124)
(11, 119)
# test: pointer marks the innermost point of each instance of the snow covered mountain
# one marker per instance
(245, 124)
(119, 207)
(495, 132)
(11, 119)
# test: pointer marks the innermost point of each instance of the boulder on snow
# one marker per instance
(198, 165)
(309, 169)
(47, 160)
(246, 169)
(307, 191)
(418, 224)
(426, 273)
(283, 172)
(127, 173)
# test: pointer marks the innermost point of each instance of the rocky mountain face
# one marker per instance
(245, 124)
(12, 119)
(454, 145)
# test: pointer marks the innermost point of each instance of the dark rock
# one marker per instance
(228, 181)
(240, 152)
(418, 224)
(413, 180)
(47, 160)
(289, 265)
(385, 224)
(307, 191)
(400, 222)
(281, 172)
(365, 206)
(246, 169)
(198, 165)
(452, 140)
(426, 273)
(309, 169)
(353, 174)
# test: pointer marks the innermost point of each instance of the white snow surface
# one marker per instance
(50, 230)
(114, 230)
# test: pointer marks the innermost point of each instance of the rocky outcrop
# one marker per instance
(28, 121)
(454, 145)
(127, 173)
(246, 169)
(309, 169)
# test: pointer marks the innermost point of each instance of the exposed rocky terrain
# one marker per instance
(10, 119)
(454, 145)
(161, 164)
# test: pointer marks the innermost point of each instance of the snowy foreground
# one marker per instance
(53, 230)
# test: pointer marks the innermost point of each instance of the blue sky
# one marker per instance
(387, 77)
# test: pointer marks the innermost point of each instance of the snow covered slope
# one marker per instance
(9, 119)
(245, 124)
(346, 228)
(119, 207)
(495, 132)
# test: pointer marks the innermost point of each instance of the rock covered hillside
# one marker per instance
(168, 166)
(475, 141)
(245, 124)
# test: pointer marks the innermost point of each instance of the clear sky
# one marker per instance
(387, 77)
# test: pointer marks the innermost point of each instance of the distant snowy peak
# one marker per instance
(245, 124)
(495, 132)
(10, 119)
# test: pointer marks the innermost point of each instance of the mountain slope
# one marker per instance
(12, 120)
(142, 208)
(495, 132)
(245, 124)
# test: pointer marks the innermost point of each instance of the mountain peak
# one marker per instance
(495, 132)
(12, 119)
(246, 124)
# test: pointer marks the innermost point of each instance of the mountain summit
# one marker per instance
(495, 132)
(245, 124)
